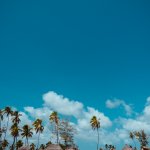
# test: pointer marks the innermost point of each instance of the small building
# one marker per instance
(24, 148)
(53, 147)
(127, 147)
(145, 148)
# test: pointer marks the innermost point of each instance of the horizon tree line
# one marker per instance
(64, 131)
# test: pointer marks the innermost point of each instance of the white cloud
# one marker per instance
(148, 100)
(116, 103)
(66, 107)
(41, 113)
(62, 105)
(111, 132)
(113, 104)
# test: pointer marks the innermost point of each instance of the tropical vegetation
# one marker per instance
(22, 134)
(11, 126)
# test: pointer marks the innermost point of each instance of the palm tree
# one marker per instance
(142, 137)
(27, 133)
(8, 112)
(111, 147)
(4, 144)
(55, 119)
(38, 128)
(15, 118)
(32, 146)
(132, 136)
(19, 144)
(15, 133)
(95, 124)
(42, 146)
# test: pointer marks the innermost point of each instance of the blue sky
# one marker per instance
(88, 51)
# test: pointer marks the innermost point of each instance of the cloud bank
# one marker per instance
(111, 132)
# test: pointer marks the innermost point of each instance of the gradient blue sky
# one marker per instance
(86, 50)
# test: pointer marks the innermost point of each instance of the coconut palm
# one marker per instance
(106, 146)
(32, 146)
(15, 117)
(19, 144)
(95, 124)
(38, 128)
(42, 146)
(111, 147)
(26, 133)
(15, 133)
(8, 113)
(142, 137)
(55, 119)
(4, 144)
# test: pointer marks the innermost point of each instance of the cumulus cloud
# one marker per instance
(66, 107)
(62, 105)
(111, 132)
(41, 113)
(113, 104)
(116, 103)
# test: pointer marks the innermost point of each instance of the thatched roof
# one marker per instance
(145, 148)
(127, 148)
(53, 147)
(24, 148)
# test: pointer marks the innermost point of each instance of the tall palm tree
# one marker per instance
(4, 144)
(32, 146)
(19, 144)
(111, 147)
(15, 117)
(38, 128)
(8, 113)
(55, 119)
(106, 146)
(95, 124)
(15, 133)
(27, 133)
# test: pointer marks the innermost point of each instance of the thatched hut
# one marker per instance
(53, 147)
(145, 148)
(24, 148)
(127, 147)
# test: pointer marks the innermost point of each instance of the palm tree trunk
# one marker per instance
(16, 142)
(134, 142)
(13, 143)
(97, 139)
(57, 135)
(38, 140)
(27, 141)
(6, 128)
(0, 123)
